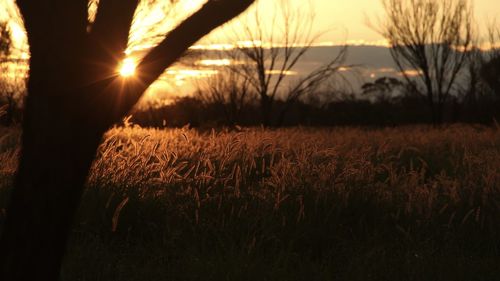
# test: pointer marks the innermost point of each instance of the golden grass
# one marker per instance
(269, 204)
(426, 168)
(421, 168)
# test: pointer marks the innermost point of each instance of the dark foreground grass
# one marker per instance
(298, 204)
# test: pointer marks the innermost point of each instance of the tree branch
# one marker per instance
(213, 14)
(111, 29)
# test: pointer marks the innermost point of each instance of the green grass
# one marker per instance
(411, 203)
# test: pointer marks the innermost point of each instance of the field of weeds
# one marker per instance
(411, 203)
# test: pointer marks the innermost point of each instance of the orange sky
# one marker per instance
(352, 15)
(345, 19)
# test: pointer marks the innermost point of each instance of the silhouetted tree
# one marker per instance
(228, 92)
(478, 56)
(490, 68)
(430, 37)
(74, 96)
(382, 89)
(268, 54)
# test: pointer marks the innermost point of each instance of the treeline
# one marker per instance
(345, 111)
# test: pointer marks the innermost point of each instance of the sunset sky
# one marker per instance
(346, 19)
(352, 14)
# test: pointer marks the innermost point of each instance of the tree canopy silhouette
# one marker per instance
(429, 37)
(74, 95)
(272, 53)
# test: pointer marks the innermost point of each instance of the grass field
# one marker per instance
(411, 203)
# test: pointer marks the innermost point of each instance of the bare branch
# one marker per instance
(213, 14)
(275, 50)
(431, 37)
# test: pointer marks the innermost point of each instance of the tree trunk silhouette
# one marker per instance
(266, 109)
(74, 96)
(490, 72)
(428, 43)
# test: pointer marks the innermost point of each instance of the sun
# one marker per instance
(127, 67)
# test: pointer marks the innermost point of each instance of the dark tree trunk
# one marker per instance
(266, 107)
(53, 168)
(74, 96)
(282, 115)
(433, 111)
(283, 112)
(436, 110)
(59, 142)
(441, 112)
(491, 73)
